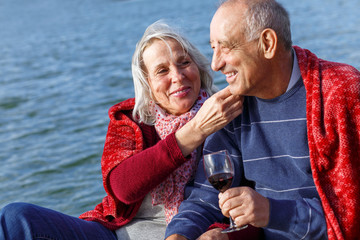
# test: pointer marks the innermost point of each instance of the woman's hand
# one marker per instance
(245, 206)
(216, 112)
(176, 237)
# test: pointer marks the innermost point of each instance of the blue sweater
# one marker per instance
(268, 145)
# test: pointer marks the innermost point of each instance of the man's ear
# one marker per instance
(268, 42)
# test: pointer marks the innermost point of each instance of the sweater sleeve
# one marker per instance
(198, 211)
(296, 219)
(137, 175)
(200, 208)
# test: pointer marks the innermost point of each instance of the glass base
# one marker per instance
(233, 229)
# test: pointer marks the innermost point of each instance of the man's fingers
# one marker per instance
(230, 193)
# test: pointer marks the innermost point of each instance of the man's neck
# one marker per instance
(281, 69)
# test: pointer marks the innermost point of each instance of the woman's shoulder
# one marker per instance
(121, 118)
(121, 109)
(125, 105)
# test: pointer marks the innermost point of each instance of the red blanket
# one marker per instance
(333, 122)
(126, 136)
(133, 179)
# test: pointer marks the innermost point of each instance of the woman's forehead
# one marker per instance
(163, 50)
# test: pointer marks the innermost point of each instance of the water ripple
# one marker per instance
(64, 63)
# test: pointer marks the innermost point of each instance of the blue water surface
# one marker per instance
(65, 62)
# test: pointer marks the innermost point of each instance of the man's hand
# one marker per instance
(245, 206)
(214, 234)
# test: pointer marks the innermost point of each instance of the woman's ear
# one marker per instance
(268, 42)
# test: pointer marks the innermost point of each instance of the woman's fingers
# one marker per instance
(218, 111)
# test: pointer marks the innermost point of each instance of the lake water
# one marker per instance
(65, 62)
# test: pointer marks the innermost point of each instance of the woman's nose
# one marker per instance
(177, 75)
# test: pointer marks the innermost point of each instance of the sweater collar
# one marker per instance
(295, 74)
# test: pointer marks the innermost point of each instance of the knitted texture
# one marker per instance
(171, 191)
(333, 123)
(125, 135)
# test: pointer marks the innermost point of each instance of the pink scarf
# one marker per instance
(171, 191)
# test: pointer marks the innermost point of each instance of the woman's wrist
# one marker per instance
(189, 137)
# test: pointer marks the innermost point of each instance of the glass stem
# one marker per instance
(232, 224)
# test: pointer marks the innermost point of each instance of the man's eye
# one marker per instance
(225, 49)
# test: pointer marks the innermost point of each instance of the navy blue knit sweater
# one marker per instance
(268, 145)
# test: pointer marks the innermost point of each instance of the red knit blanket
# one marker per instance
(126, 137)
(333, 122)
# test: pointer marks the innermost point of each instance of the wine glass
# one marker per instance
(220, 172)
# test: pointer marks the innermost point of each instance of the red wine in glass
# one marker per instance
(220, 171)
(221, 181)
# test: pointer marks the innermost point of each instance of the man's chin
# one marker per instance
(234, 90)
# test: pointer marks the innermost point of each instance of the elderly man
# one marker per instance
(297, 139)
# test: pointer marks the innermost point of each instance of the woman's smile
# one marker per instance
(173, 76)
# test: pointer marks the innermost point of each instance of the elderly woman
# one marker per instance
(152, 146)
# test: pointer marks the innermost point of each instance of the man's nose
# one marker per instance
(217, 60)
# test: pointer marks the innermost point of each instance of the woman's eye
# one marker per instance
(185, 62)
(161, 71)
